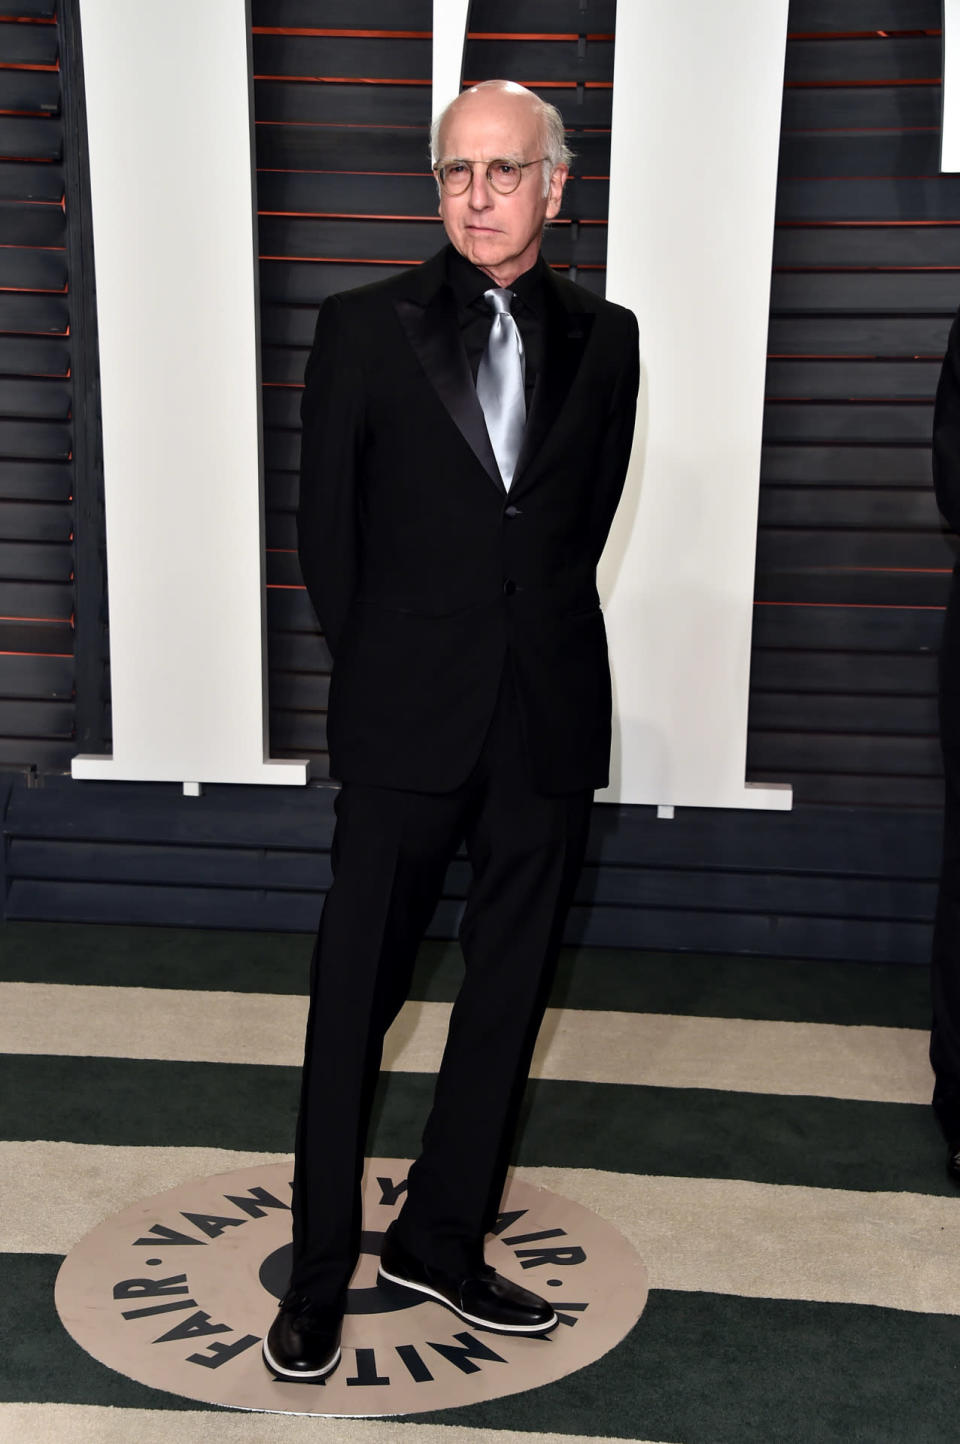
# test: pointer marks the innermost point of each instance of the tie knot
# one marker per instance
(498, 300)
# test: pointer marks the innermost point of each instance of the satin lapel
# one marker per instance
(432, 331)
(565, 338)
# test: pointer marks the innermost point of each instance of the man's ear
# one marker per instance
(558, 180)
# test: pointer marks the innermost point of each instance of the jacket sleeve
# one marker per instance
(946, 432)
(327, 517)
(618, 438)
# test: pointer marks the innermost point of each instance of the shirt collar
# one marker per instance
(468, 283)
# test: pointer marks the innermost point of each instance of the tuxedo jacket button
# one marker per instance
(512, 511)
(509, 587)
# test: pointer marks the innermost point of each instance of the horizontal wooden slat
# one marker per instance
(35, 397)
(34, 440)
(299, 651)
(851, 756)
(35, 561)
(535, 61)
(51, 678)
(24, 181)
(847, 465)
(918, 292)
(817, 789)
(34, 315)
(862, 716)
(40, 754)
(848, 629)
(35, 600)
(881, 153)
(794, 547)
(27, 44)
(546, 16)
(341, 57)
(289, 610)
(30, 137)
(29, 91)
(880, 58)
(871, 198)
(858, 107)
(32, 225)
(32, 270)
(35, 481)
(851, 507)
(281, 450)
(35, 521)
(330, 14)
(867, 247)
(33, 356)
(283, 569)
(881, 591)
(878, 336)
(843, 673)
(839, 17)
(35, 638)
(909, 422)
(40, 719)
(819, 379)
(31, 9)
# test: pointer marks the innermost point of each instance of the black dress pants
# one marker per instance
(390, 854)
(945, 956)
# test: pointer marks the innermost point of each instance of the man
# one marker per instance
(466, 431)
(945, 971)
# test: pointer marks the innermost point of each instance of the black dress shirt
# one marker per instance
(475, 316)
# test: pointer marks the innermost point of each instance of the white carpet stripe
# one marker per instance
(893, 1250)
(95, 1424)
(887, 1065)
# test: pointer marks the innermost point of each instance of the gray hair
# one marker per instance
(553, 140)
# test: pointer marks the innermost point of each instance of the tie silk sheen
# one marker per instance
(500, 384)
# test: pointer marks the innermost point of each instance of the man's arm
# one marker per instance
(946, 432)
(327, 528)
(621, 419)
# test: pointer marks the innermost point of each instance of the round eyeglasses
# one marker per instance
(503, 176)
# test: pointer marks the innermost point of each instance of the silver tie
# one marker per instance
(500, 384)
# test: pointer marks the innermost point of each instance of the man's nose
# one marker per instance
(480, 189)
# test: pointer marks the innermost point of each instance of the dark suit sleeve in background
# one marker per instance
(946, 433)
(327, 518)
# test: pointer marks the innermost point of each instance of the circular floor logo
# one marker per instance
(177, 1291)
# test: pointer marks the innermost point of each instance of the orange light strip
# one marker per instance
(68, 655)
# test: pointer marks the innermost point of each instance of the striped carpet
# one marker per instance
(759, 1130)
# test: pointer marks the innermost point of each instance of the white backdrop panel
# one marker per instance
(168, 115)
(696, 122)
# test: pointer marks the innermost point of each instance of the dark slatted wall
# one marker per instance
(37, 713)
(853, 565)
(345, 197)
(852, 561)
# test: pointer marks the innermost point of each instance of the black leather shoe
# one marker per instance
(304, 1340)
(953, 1160)
(481, 1297)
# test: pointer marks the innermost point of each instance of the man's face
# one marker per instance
(499, 234)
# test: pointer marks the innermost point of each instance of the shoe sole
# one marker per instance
(303, 1376)
(531, 1330)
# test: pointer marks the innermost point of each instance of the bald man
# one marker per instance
(466, 432)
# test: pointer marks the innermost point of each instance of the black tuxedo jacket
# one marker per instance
(425, 573)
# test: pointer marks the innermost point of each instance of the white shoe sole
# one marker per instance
(306, 1375)
(531, 1330)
